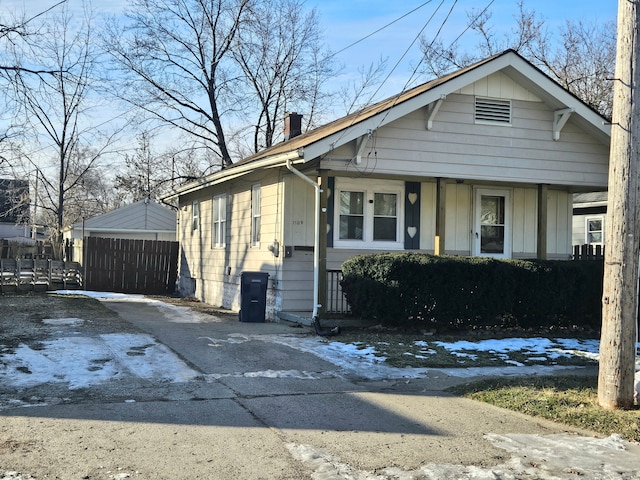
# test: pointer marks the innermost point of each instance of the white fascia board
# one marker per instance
(235, 172)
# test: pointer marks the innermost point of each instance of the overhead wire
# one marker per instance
(469, 25)
(426, 24)
(379, 29)
(415, 70)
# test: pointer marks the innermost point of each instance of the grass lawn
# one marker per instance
(568, 400)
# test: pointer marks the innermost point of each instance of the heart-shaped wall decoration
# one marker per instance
(413, 197)
(412, 231)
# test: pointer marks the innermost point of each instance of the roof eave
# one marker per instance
(236, 171)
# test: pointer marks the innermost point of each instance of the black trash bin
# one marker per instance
(253, 296)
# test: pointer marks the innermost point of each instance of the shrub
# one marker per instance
(446, 293)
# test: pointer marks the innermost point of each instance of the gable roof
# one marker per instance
(589, 199)
(145, 215)
(322, 140)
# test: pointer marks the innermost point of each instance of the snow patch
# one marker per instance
(63, 322)
(543, 457)
(85, 361)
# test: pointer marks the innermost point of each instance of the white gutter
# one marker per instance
(316, 241)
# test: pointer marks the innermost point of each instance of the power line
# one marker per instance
(379, 30)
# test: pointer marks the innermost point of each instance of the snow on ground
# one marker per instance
(539, 457)
(83, 362)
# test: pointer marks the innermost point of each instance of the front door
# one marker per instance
(492, 225)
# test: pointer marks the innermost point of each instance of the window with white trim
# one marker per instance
(369, 215)
(594, 230)
(195, 215)
(492, 111)
(255, 215)
(219, 221)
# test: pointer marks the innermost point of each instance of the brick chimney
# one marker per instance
(292, 125)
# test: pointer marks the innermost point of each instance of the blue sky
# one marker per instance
(347, 21)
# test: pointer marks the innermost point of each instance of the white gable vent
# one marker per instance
(491, 110)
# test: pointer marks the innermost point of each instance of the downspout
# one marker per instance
(316, 241)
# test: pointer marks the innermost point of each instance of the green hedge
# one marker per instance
(460, 293)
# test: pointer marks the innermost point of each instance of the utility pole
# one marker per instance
(620, 284)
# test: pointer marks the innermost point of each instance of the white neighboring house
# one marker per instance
(483, 161)
(142, 220)
(589, 212)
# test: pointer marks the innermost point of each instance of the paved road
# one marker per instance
(240, 422)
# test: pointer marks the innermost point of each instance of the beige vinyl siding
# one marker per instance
(214, 284)
(297, 281)
(455, 147)
(499, 85)
(297, 275)
(164, 236)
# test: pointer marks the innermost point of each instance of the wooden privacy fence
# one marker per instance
(23, 275)
(130, 266)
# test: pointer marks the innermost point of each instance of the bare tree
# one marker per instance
(14, 31)
(279, 49)
(176, 59)
(65, 146)
(581, 57)
(148, 174)
(360, 93)
(224, 72)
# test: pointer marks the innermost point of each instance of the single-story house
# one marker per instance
(483, 161)
(142, 220)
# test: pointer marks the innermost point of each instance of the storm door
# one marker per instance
(492, 225)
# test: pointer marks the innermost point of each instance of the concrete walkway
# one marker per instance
(237, 422)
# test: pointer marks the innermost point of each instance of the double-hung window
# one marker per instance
(369, 215)
(219, 221)
(595, 230)
(195, 215)
(255, 215)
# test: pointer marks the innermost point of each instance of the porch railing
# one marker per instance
(336, 301)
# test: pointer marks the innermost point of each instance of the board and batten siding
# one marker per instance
(525, 222)
(559, 219)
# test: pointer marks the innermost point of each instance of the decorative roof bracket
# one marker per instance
(432, 110)
(560, 118)
(361, 143)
